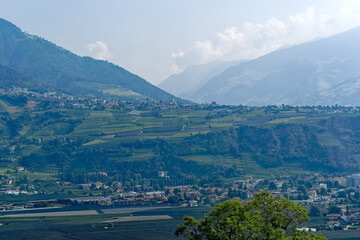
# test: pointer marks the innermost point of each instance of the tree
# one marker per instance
(342, 194)
(308, 184)
(284, 186)
(173, 199)
(334, 210)
(315, 211)
(264, 217)
(176, 191)
(272, 186)
(207, 200)
(302, 188)
(323, 191)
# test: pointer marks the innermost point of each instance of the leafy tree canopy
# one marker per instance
(315, 211)
(272, 186)
(264, 217)
(334, 210)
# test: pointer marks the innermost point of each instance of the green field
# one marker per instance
(91, 226)
(97, 226)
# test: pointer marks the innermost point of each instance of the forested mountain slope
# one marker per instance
(53, 66)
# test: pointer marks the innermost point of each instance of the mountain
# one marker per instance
(194, 77)
(312, 73)
(55, 67)
(347, 93)
(10, 78)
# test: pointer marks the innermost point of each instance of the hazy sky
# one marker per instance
(156, 38)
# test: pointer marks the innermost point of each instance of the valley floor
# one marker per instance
(145, 223)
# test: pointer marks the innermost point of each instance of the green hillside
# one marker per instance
(136, 140)
(55, 67)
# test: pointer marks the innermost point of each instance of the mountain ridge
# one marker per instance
(192, 78)
(55, 66)
(294, 75)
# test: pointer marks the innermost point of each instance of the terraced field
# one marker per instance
(124, 135)
(104, 126)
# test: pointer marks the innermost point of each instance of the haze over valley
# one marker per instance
(320, 72)
(179, 120)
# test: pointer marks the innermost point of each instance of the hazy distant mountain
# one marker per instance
(56, 67)
(346, 93)
(313, 73)
(192, 78)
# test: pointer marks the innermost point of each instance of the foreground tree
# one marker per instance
(264, 217)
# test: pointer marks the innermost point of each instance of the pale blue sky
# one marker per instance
(156, 38)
